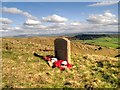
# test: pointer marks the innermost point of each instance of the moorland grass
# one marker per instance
(21, 69)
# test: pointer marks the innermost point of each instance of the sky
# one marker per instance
(21, 18)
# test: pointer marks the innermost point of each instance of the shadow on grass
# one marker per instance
(42, 57)
(37, 55)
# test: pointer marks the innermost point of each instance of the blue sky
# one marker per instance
(56, 0)
(57, 14)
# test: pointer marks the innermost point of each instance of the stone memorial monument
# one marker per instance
(63, 49)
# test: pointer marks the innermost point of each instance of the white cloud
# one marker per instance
(31, 22)
(5, 21)
(51, 26)
(3, 31)
(39, 26)
(106, 22)
(55, 27)
(17, 11)
(76, 23)
(5, 26)
(105, 19)
(54, 19)
(105, 3)
(17, 28)
(8, 27)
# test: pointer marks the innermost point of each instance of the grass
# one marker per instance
(105, 41)
(21, 69)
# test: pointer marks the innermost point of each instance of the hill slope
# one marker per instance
(92, 67)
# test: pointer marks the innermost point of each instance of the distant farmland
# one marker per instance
(105, 40)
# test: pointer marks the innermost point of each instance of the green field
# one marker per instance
(104, 41)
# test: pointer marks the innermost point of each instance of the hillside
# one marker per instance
(93, 67)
